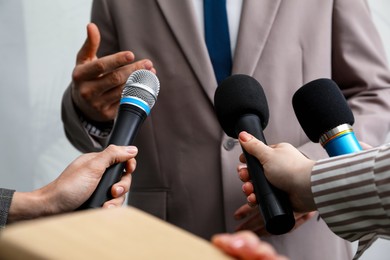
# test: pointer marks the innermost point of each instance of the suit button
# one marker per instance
(229, 144)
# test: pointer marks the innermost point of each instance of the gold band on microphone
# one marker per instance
(334, 133)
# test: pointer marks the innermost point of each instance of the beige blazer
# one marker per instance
(186, 172)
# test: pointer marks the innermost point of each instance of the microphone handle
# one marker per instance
(125, 129)
(273, 203)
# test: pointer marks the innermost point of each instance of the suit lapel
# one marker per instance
(256, 21)
(181, 19)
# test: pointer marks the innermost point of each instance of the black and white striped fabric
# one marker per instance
(352, 194)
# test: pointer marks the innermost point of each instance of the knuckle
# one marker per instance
(139, 65)
(85, 93)
(76, 75)
(116, 78)
(111, 148)
(97, 106)
(99, 67)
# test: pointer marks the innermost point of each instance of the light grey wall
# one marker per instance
(15, 130)
(39, 40)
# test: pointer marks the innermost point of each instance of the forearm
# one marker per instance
(350, 193)
(27, 205)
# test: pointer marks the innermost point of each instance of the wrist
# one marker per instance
(308, 194)
(301, 195)
(92, 125)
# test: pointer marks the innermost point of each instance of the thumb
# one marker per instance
(116, 154)
(253, 146)
(89, 49)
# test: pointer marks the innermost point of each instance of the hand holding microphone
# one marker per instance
(241, 105)
(138, 97)
(325, 117)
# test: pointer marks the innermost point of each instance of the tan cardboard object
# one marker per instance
(121, 233)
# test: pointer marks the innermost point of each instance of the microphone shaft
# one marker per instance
(126, 127)
(273, 203)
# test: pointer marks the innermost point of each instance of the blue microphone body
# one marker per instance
(340, 140)
(326, 117)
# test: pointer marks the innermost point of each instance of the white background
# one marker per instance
(39, 40)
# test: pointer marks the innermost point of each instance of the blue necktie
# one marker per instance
(217, 37)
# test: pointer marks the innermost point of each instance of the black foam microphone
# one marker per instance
(325, 116)
(241, 105)
(138, 97)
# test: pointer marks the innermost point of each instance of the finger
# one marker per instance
(253, 146)
(122, 187)
(252, 201)
(102, 97)
(243, 212)
(261, 231)
(100, 106)
(90, 46)
(131, 165)
(254, 223)
(300, 219)
(245, 245)
(120, 75)
(311, 214)
(115, 203)
(247, 188)
(365, 146)
(225, 243)
(104, 65)
(243, 173)
(242, 158)
(115, 154)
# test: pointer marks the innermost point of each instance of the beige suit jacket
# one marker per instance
(186, 172)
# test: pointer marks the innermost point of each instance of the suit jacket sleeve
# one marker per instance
(74, 129)
(360, 69)
(5, 202)
(73, 125)
(351, 194)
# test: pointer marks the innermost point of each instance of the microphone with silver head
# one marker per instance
(138, 97)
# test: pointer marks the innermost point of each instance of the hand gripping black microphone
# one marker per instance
(241, 105)
(325, 116)
(138, 97)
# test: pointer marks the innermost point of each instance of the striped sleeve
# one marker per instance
(5, 202)
(352, 194)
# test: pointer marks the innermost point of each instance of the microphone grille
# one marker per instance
(236, 96)
(144, 85)
(321, 106)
